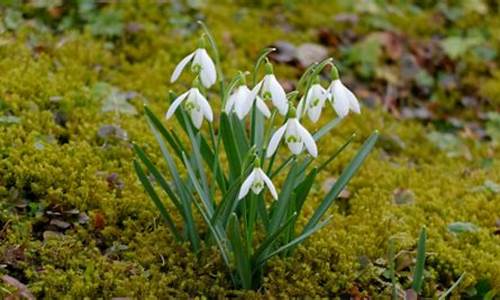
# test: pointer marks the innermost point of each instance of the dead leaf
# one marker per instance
(309, 53)
(99, 221)
(22, 289)
(402, 196)
(285, 52)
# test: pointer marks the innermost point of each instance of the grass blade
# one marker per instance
(240, 252)
(332, 157)
(454, 286)
(325, 129)
(418, 276)
(156, 200)
(344, 178)
(295, 241)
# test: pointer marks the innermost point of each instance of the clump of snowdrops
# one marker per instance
(225, 172)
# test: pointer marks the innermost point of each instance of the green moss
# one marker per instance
(124, 249)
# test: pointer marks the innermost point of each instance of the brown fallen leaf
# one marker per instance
(309, 53)
(22, 289)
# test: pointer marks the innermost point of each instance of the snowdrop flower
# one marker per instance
(296, 137)
(240, 103)
(313, 102)
(256, 181)
(201, 64)
(195, 104)
(342, 98)
(270, 88)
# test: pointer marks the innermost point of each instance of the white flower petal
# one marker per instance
(180, 66)
(230, 103)
(296, 145)
(269, 183)
(173, 107)
(263, 107)
(353, 101)
(295, 148)
(308, 140)
(275, 140)
(197, 117)
(208, 73)
(340, 101)
(278, 95)
(245, 187)
(204, 106)
(243, 101)
(301, 107)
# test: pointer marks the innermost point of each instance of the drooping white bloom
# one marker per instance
(202, 63)
(313, 102)
(195, 104)
(240, 103)
(342, 98)
(270, 88)
(296, 137)
(256, 181)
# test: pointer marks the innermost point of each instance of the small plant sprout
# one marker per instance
(201, 64)
(220, 174)
(342, 98)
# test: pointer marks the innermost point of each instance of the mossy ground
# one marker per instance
(55, 164)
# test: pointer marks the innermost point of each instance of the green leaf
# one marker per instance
(332, 157)
(178, 148)
(461, 227)
(418, 276)
(201, 192)
(240, 252)
(454, 286)
(270, 239)
(260, 59)
(184, 195)
(158, 176)
(344, 178)
(392, 271)
(284, 197)
(326, 128)
(117, 102)
(232, 150)
(10, 120)
(154, 197)
(295, 241)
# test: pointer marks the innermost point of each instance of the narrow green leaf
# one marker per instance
(260, 59)
(199, 190)
(164, 132)
(332, 157)
(418, 276)
(215, 50)
(240, 252)
(294, 242)
(454, 286)
(156, 200)
(326, 128)
(232, 151)
(158, 176)
(283, 198)
(392, 271)
(181, 190)
(344, 178)
(303, 189)
(273, 237)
